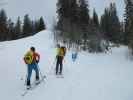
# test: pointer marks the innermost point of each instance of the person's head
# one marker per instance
(58, 45)
(32, 49)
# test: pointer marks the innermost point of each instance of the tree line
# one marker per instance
(10, 30)
(129, 24)
(76, 27)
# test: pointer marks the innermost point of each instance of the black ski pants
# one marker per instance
(59, 65)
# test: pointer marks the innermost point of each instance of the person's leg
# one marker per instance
(72, 57)
(61, 64)
(29, 74)
(57, 65)
(36, 70)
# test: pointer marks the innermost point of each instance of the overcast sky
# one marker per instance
(101, 4)
(47, 8)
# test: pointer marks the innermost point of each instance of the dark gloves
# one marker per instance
(37, 61)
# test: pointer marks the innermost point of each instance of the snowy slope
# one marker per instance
(91, 77)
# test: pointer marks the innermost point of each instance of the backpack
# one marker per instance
(28, 58)
(63, 50)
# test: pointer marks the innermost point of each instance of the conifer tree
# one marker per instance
(27, 27)
(41, 24)
(114, 24)
(18, 28)
(95, 19)
(11, 30)
(3, 24)
(84, 12)
(110, 24)
(129, 23)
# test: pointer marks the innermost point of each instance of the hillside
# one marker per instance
(91, 77)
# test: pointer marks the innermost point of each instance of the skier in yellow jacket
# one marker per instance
(61, 51)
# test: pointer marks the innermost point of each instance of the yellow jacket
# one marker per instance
(60, 52)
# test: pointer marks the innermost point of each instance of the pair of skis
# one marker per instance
(33, 86)
(59, 76)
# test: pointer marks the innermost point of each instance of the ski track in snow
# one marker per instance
(91, 77)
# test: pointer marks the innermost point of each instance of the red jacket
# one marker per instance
(36, 57)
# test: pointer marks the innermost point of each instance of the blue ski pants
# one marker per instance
(31, 67)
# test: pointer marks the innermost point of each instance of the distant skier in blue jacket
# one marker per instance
(74, 56)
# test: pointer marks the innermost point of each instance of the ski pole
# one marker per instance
(40, 72)
(26, 76)
(54, 62)
(52, 66)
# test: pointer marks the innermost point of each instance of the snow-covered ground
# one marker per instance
(91, 77)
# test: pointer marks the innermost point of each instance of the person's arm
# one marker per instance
(24, 59)
(37, 57)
